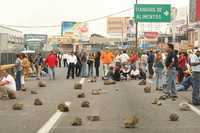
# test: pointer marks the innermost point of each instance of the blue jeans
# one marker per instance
(180, 87)
(90, 70)
(18, 80)
(158, 72)
(51, 72)
(84, 70)
(171, 82)
(196, 87)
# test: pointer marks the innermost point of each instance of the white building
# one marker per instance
(10, 39)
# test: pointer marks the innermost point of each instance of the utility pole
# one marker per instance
(136, 29)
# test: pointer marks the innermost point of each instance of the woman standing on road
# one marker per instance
(158, 70)
(97, 63)
(90, 63)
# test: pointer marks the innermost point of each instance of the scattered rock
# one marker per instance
(77, 86)
(155, 101)
(159, 103)
(34, 92)
(38, 102)
(12, 95)
(143, 82)
(173, 117)
(95, 92)
(184, 107)
(85, 104)
(63, 107)
(130, 121)
(81, 95)
(109, 82)
(164, 97)
(18, 106)
(77, 122)
(116, 89)
(147, 89)
(93, 117)
(24, 89)
(42, 84)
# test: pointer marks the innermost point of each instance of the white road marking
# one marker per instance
(194, 109)
(51, 122)
(82, 81)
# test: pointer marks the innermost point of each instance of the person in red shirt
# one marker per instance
(51, 62)
(182, 60)
(133, 59)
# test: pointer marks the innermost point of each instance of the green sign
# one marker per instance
(152, 13)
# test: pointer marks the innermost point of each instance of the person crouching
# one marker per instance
(7, 86)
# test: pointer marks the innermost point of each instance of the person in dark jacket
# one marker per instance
(97, 63)
(171, 64)
(150, 63)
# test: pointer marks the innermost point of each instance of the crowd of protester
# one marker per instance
(170, 70)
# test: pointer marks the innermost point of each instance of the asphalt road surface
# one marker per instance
(117, 101)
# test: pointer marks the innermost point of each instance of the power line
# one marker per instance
(55, 26)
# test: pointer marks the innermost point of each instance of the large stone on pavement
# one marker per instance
(34, 92)
(147, 89)
(174, 117)
(95, 92)
(109, 82)
(12, 95)
(38, 102)
(77, 86)
(85, 104)
(77, 122)
(94, 117)
(63, 107)
(184, 107)
(17, 106)
(130, 121)
(42, 84)
(155, 101)
(81, 95)
(143, 82)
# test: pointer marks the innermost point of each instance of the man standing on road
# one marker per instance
(19, 68)
(171, 65)
(71, 60)
(195, 63)
(64, 57)
(106, 59)
(151, 57)
(51, 61)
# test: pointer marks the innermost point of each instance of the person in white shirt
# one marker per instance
(64, 58)
(195, 63)
(71, 60)
(7, 86)
(124, 57)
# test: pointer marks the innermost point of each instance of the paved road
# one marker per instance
(112, 107)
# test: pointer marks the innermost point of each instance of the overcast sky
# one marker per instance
(53, 12)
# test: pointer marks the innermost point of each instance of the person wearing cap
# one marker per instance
(195, 63)
(186, 82)
(171, 64)
(7, 86)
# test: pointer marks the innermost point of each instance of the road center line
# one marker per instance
(52, 121)
(193, 108)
